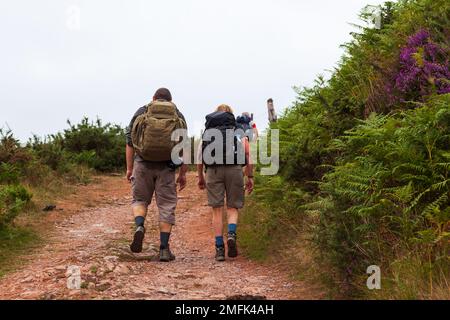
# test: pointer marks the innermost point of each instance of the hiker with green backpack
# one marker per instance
(224, 152)
(150, 168)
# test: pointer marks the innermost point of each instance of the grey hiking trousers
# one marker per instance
(155, 177)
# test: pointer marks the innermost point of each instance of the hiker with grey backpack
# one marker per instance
(224, 151)
(150, 168)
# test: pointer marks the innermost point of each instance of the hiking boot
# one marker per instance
(165, 255)
(232, 247)
(136, 245)
(220, 253)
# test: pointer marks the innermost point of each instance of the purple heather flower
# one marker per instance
(422, 65)
(406, 56)
(444, 89)
(433, 51)
(419, 39)
(423, 70)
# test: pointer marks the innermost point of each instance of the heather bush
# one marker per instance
(50, 151)
(96, 145)
(11, 151)
(13, 198)
(91, 144)
(423, 68)
(9, 173)
(67, 157)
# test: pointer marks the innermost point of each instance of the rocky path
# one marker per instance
(92, 235)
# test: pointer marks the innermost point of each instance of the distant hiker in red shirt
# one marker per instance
(224, 175)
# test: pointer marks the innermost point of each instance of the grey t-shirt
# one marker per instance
(140, 111)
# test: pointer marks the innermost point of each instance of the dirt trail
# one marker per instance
(93, 233)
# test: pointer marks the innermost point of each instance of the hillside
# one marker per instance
(365, 160)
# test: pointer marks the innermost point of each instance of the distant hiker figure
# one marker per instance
(255, 130)
(271, 111)
(246, 123)
(150, 168)
(224, 151)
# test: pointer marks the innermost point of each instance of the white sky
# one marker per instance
(206, 52)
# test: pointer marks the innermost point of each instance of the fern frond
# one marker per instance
(417, 199)
(435, 205)
(410, 166)
(440, 185)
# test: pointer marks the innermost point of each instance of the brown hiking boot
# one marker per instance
(220, 253)
(165, 255)
(136, 245)
(232, 246)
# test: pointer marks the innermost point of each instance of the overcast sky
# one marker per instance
(206, 52)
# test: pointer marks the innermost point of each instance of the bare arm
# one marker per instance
(183, 169)
(200, 172)
(129, 148)
(201, 177)
(200, 169)
(181, 180)
(249, 167)
(130, 161)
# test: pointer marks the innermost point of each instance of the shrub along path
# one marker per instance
(93, 232)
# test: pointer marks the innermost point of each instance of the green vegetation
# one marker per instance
(15, 241)
(91, 144)
(12, 200)
(365, 162)
(364, 165)
(37, 172)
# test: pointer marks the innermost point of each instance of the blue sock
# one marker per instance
(219, 241)
(232, 228)
(139, 221)
(164, 237)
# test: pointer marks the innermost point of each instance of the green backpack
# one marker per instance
(152, 131)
